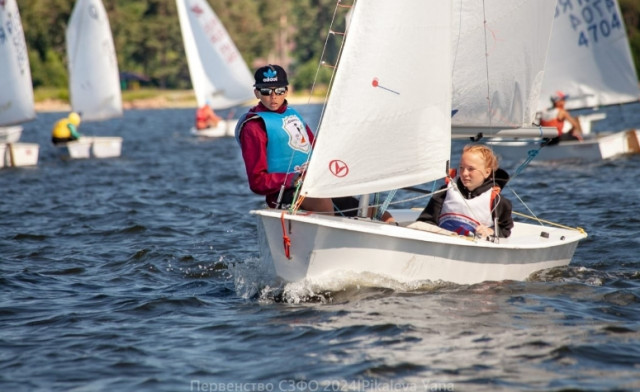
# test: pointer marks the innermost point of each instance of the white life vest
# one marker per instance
(462, 215)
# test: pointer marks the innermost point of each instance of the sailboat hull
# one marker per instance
(225, 128)
(598, 148)
(92, 147)
(324, 247)
(18, 154)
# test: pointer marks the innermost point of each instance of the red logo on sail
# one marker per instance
(338, 168)
(376, 83)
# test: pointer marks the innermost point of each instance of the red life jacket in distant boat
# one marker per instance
(550, 119)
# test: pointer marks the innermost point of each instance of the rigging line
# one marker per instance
(333, 74)
(541, 221)
(386, 203)
(401, 201)
(324, 48)
(524, 204)
(531, 154)
(486, 60)
(455, 52)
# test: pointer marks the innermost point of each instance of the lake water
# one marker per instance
(141, 273)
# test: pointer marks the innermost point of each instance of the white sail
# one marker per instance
(497, 67)
(94, 80)
(589, 56)
(219, 74)
(16, 89)
(387, 120)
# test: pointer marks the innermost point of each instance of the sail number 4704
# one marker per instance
(599, 30)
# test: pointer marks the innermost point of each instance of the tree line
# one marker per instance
(148, 40)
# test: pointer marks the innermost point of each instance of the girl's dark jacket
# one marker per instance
(431, 213)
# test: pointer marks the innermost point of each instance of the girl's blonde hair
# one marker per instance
(490, 159)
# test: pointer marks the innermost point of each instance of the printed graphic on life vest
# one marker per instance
(460, 224)
(298, 139)
(592, 21)
(338, 168)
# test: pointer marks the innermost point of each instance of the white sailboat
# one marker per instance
(589, 60)
(219, 75)
(16, 90)
(387, 125)
(94, 80)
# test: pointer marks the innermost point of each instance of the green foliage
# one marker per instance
(631, 13)
(47, 70)
(308, 73)
(45, 93)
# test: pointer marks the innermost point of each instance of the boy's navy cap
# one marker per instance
(271, 76)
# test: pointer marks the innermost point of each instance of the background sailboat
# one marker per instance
(387, 125)
(94, 81)
(589, 60)
(219, 75)
(498, 62)
(16, 90)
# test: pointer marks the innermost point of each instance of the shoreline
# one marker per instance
(159, 102)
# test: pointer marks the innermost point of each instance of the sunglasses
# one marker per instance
(267, 91)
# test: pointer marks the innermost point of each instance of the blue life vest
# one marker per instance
(287, 136)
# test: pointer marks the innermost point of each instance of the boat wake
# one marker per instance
(253, 280)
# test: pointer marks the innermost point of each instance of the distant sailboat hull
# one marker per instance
(225, 128)
(324, 247)
(18, 154)
(597, 148)
(92, 147)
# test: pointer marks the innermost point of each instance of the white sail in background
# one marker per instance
(16, 89)
(94, 80)
(497, 67)
(219, 74)
(388, 100)
(589, 56)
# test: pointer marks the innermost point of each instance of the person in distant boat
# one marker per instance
(472, 201)
(556, 116)
(66, 129)
(206, 117)
(276, 143)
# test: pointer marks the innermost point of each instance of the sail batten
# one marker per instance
(219, 74)
(388, 99)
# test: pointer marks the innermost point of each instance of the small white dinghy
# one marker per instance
(92, 147)
(225, 128)
(219, 75)
(387, 125)
(94, 80)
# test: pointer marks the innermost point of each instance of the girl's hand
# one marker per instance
(483, 231)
